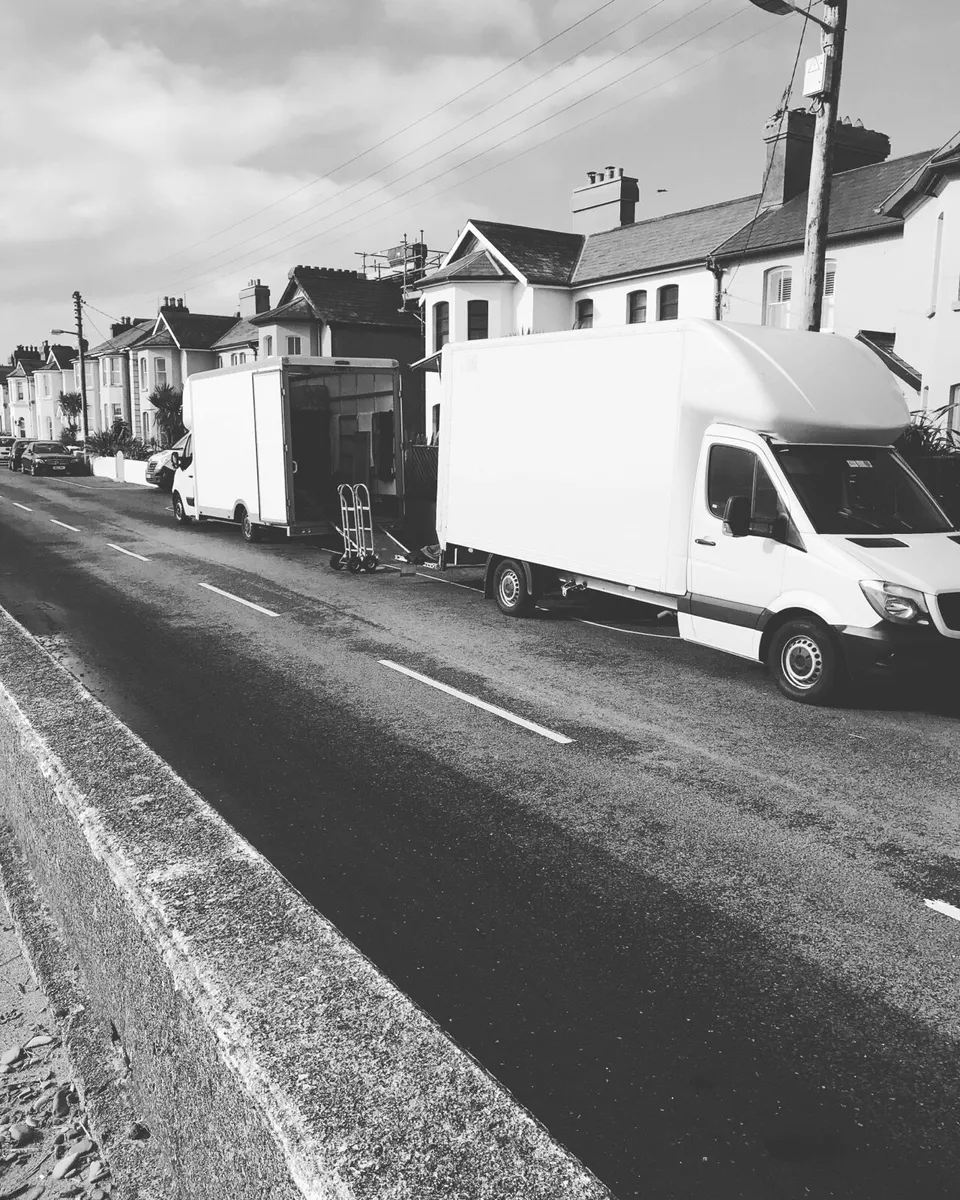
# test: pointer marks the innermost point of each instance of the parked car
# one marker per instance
(18, 447)
(160, 468)
(48, 458)
(6, 444)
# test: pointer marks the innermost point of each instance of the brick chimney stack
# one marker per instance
(254, 298)
(790, 148)
(609, 200)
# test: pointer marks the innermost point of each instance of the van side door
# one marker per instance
(731, 580)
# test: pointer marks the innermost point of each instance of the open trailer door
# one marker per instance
(273, 454)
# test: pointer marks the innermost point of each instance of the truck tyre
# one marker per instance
(250, 531)
(179, 512)
(805, 663)
(510, 589)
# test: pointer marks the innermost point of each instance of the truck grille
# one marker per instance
(949, 603)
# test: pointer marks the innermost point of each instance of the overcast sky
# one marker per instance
(135, 133)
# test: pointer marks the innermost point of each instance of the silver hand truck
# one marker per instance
(356, 529)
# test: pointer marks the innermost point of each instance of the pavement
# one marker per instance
(66, 1125)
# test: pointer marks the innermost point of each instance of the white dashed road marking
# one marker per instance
(239, 599)
(941, 906)
(490, 708)
(130, 552)
(64, 525)
(23, 506)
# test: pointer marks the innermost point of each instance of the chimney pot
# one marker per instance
(610, 172)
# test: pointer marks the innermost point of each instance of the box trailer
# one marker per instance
(741, 476)
(269, 441)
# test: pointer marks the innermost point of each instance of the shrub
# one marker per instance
(926, 436)
(107, 444)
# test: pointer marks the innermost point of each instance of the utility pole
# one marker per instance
(78, 310)
(821, 168)
(821, 165)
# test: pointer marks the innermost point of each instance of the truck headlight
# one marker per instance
(902, 605)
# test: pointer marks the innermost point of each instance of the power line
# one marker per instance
(87, 304)
(475, 116)
(480, 154)
(397, 133)
(784, 101)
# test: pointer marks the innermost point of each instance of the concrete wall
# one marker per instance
(267, 1055)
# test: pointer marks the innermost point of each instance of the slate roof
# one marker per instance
(159, 341)
(62, 357)
(945, 159)
(673, 240)
(855, 197)
(540, 255)
(296, 310)
(241, 333)
(479, 265)
(341, 297)
(124, 340)
(195, 331)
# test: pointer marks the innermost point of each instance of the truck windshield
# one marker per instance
(858, 489)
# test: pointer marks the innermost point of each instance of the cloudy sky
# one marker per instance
(180, 147)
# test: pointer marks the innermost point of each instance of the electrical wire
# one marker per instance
(475, 116)
(87, 304)
(464, 162)
(784, 102)
(397, 133)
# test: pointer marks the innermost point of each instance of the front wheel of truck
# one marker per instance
(513, 596)
(179, 512)
(805, 662)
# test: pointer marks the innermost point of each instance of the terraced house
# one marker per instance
(737, 260)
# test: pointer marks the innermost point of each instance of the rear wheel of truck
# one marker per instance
(250, 531)
(179, 512)
(510, 589)
(805, 662)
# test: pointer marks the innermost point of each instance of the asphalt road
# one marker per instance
(692, 939)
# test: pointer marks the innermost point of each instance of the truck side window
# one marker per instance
(734, 471)
(730, 473)
(186, 454)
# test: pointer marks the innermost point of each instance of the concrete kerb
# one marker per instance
(266, 1053)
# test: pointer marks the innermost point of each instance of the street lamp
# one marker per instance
(821, 163)
(83, 370)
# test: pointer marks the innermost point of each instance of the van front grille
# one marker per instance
(949, 603)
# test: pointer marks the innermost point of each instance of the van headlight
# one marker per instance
(902, 605)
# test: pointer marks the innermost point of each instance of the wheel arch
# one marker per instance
(779, 619)
(531, 573)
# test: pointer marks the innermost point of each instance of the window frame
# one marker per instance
(776, 277)
(631, 297)
(441, 325)
(159, 371)
(268, 345)
(584, 313)
(663, 301)
(477, 308)
(294, 345)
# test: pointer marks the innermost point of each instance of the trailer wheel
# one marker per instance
(250, 531)
(510, 589)
(336, 561)
(179, 512)
(370, 562)
(804, 661)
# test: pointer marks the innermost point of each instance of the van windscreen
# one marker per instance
(858, 489)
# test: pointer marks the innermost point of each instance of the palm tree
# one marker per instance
(71, 405)
(168, 401)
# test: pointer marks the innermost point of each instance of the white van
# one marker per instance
(741, 476)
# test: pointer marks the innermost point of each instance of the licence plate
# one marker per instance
(58, 468)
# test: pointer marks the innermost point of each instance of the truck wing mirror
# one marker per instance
(736, 516)
(175, 459)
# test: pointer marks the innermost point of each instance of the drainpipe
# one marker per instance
(716, 270)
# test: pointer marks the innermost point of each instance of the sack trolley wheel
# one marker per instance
(370, 562)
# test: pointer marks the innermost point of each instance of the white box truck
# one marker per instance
(268, 442)
(741, 476)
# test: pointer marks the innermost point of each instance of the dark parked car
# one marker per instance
(48, 458)
(16, 450)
